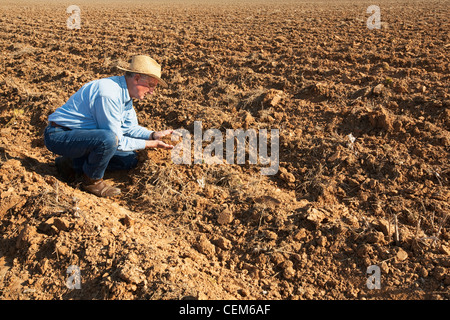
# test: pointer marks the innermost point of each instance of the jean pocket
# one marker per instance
(52, 129)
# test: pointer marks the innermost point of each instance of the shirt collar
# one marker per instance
(125, 94)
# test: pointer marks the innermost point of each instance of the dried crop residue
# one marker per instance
(364, 122)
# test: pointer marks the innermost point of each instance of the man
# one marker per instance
(97, 128)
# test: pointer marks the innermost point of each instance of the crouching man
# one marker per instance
(97, 128)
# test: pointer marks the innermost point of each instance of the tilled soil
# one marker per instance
(364, 120)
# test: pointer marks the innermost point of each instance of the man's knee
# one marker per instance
(109, 139)
(123, 161)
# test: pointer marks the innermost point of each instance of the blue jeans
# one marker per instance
(92, 151)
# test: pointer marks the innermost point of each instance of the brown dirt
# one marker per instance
(311, 69)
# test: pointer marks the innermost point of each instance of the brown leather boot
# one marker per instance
(99, 187)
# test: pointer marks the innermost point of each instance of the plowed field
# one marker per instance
(364, 163)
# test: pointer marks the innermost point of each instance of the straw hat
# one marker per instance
(145, 65)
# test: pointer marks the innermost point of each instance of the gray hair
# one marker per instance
(129, 74)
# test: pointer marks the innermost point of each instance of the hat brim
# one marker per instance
(160, 81)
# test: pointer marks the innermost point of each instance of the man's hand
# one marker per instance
(158, 135)
(157, 143)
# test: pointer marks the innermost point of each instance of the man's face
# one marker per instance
(143, 85)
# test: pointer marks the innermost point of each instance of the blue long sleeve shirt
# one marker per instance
(104, 104)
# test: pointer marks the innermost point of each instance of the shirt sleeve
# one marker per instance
(132, 129)
(108, 114)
